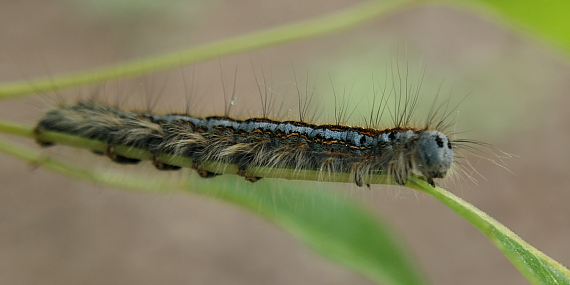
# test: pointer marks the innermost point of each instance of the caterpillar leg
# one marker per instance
(243, 164)
(203, 173)
(252, 179)
(38, 131)
(163, 166)
(358, 179)
(110, 152)
(359, 175)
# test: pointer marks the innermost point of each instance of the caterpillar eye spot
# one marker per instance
(439, 141)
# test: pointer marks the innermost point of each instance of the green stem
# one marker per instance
(325, 25)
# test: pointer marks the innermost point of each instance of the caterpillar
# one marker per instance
(262, 142)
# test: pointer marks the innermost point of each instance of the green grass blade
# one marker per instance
(337, 228)
(309, 29)
(534, 264)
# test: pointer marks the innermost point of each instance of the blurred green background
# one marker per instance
(59, 231)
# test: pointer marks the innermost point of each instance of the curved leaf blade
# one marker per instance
(534, 264)
(549, 19)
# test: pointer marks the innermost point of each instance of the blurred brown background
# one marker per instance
(54, 230)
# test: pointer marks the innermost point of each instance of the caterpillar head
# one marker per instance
(434, 155)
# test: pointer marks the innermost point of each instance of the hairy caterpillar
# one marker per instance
(397, 151)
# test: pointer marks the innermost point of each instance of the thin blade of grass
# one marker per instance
(309, 29)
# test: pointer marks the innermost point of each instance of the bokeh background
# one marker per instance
(55, 230)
